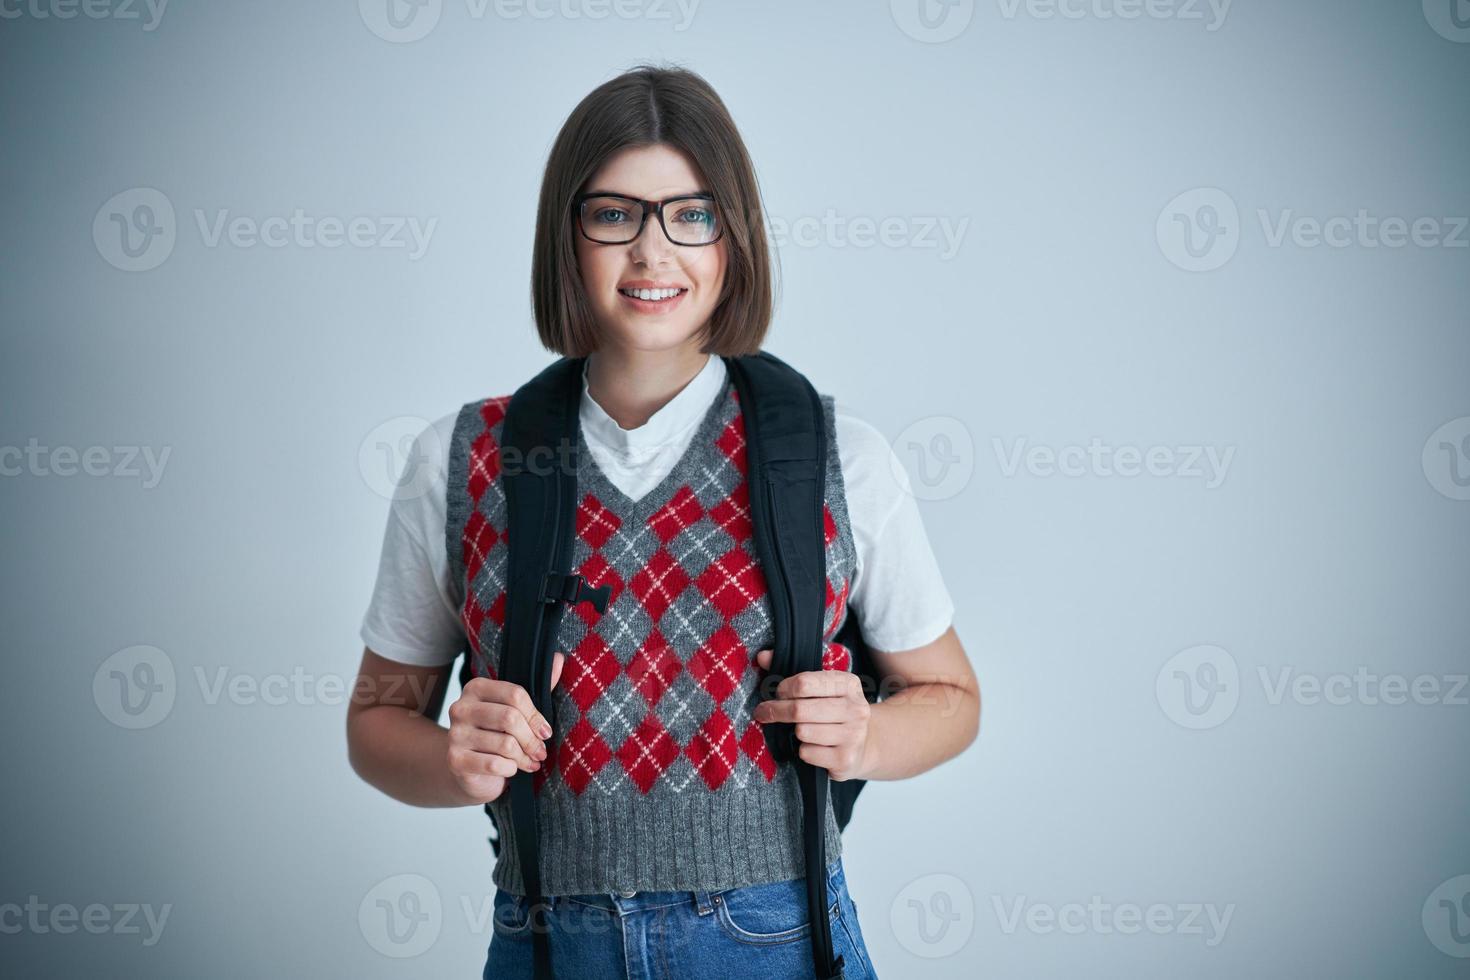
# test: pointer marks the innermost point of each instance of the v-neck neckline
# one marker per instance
(601, 485)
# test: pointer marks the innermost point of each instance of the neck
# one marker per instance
(632, 385)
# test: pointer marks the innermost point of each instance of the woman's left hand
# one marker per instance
(830, 715)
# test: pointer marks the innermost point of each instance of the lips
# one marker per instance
(653, 299)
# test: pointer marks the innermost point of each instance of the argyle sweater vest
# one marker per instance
(657, 776)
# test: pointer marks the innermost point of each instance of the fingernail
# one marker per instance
(544, 731)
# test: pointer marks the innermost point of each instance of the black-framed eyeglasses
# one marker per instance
(613, 219)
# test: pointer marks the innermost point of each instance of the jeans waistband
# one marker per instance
(623, 902)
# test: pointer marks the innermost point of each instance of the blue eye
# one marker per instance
(695, 216)
(602, 215)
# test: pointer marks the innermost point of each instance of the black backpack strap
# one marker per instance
(786, 467)
(539, 474)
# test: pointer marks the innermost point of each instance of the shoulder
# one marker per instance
(866, 456)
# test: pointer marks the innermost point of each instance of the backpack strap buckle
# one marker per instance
(572, 588)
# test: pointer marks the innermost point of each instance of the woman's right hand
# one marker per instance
(494, 731)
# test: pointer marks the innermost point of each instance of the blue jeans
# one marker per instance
(758, 931)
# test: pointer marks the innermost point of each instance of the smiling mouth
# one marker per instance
(654, 295)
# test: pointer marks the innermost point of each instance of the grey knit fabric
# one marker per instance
(657, 775)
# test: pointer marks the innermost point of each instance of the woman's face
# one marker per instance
(650, 173)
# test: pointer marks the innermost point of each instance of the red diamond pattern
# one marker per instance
(658, 584)
(484, 464)
(647, 752)
(479, 537)
(719, 664)
(589, 670)
(732, 582)
(753, 744)
(732, 515)
(595, 523)
(581, 755)
(713, 749)
(835, 656)
(654, 667)
(682, 510)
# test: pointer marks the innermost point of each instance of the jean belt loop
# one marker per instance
(704, 902)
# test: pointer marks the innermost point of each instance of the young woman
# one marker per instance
(670, 838)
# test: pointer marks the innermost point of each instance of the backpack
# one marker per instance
(786, 456)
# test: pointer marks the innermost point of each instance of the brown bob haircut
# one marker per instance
(644, 106)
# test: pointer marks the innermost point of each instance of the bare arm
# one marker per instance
(933, 715)
(394, 740)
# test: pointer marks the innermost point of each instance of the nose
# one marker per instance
(652, 247)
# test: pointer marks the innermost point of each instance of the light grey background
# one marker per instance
(1334, 542)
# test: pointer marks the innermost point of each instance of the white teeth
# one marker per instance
(653, 294)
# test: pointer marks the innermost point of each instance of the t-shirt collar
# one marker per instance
(682, 412)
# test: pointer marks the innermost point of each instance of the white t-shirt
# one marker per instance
(897, 592)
